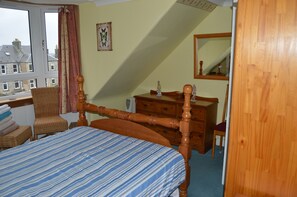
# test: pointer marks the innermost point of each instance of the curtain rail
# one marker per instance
(31, 3)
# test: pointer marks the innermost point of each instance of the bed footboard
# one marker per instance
(122, 126)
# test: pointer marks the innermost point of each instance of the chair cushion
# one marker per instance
(220, 127)
(50, 125)
(16, 137)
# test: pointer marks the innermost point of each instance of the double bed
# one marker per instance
(110, 157)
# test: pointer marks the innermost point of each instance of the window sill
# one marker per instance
(18, 102)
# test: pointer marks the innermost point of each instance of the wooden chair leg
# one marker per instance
(213, 144)
(221, 142)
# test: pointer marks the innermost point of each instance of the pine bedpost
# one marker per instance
(82, 121)
(184, 147)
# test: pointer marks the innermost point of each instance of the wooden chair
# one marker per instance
(46, 108)
(220, 129)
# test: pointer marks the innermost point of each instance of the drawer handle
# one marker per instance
(165, 108)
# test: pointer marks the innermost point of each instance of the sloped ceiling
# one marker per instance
(179, 21)
(201, 4)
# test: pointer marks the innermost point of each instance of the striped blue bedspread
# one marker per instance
(85, 161)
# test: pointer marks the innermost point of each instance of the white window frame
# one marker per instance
(38, 46)
(51, 66)
(32, 83)
(18, 86)
(53, 81)
(5, 89)
(3, 68)
(15, 68)
(30, 67)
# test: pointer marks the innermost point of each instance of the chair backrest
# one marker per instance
(225, 104)
(46, 101)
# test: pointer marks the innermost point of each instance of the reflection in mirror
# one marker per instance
(212, 56)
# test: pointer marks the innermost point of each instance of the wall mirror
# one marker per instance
(212, 56)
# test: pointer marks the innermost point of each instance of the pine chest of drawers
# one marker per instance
(203, 118)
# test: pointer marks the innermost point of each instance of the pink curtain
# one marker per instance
(69, 61)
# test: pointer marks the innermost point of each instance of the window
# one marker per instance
(30, 67)
(31, 47)
(52, 66)
(3, 69)
(5, 86)
(53, 81)
(15, 68)
(32, 84)
(17, 84)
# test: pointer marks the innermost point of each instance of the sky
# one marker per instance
(14, 24)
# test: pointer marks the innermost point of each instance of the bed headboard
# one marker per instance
(121, 124)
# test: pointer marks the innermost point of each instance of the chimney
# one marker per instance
(56, 52)
(17, 44)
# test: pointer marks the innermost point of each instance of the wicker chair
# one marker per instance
(46, 108)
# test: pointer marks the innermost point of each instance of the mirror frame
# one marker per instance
(198, 72)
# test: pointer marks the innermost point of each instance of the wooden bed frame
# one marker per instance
(125, 123)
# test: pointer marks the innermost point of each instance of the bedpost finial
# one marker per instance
(80, 79)
(188, 89)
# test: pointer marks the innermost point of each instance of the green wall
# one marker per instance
(178, 68)
(131, 21)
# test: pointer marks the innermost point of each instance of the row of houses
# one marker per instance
(16, 59)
